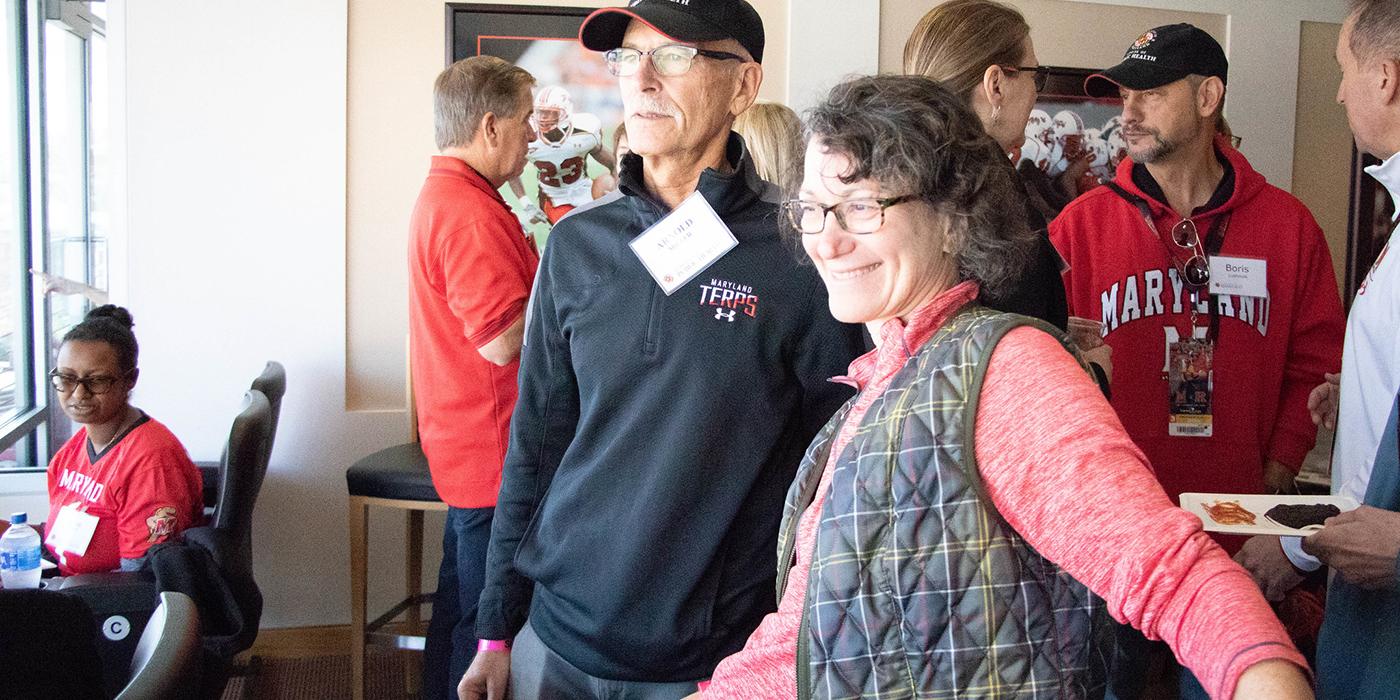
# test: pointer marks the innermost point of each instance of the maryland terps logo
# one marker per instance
(161, 524)
(730, 297)
(1147, 38)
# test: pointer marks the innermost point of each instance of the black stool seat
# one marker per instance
(399, 472)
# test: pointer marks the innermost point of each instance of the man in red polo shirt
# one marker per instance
(470, 272)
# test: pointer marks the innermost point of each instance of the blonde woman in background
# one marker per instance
(981, 50)
(773, 134)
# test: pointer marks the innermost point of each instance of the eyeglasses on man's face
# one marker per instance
(668, 60)
(96, 384)
(1041, 74)
(865, 215)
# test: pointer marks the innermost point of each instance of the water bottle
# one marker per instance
(19, 554)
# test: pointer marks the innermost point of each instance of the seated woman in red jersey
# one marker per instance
(123, 482)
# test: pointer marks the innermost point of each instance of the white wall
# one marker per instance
(235, 254)
(827, 41)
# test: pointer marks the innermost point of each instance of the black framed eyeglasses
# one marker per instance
(96, 384)
(1196, 271)
(668, 60)
(1041, 74)
(858, 216)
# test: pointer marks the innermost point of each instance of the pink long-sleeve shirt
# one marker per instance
(1061, 470)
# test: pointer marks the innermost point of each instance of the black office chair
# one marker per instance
(229, 539)
(166, 665)
(243, 467)
(273, 384)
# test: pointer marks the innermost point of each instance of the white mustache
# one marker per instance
(647, 105)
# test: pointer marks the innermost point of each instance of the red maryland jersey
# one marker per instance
(143, 489)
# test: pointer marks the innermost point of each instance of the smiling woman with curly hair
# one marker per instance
(967, 524)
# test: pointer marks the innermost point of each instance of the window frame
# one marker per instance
(28, 431)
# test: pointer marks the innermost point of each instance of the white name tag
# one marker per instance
(71, 531)
(679, 247)
(1246, 277)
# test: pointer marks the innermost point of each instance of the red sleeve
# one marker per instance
(487, 282)
(1314, 345)
(1061, 470)
(156, 500)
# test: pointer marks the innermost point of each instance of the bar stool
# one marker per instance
(398, 478)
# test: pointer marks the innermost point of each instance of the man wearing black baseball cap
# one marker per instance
(1215, 290)
(1161, 56)
(665, 398)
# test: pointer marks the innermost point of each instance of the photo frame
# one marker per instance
(544, 41)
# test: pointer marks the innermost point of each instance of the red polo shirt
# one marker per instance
(470, 272)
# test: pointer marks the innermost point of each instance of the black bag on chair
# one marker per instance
(229, 602)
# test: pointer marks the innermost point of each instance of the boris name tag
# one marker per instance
(1246, 277)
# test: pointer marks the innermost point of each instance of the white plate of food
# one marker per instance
(1259, 514)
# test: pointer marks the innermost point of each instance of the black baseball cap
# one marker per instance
(1160, 56)
(682, 20)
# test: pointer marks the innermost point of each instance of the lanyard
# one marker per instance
(1215, 240)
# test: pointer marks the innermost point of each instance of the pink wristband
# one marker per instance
(492, 645)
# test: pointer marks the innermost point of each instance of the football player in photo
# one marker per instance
(564, 140)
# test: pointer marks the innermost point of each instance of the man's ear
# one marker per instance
(750, 77)
(490, 128)
(1388, 75)
(1209, 96)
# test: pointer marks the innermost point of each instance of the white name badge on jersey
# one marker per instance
(684, 243)
(1246, 277)
(71, 531)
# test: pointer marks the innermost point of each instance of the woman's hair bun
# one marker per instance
(112, 311)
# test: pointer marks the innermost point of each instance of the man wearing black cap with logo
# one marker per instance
(674, 371)
(1215, 288)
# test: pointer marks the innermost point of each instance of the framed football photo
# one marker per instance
(577, 106)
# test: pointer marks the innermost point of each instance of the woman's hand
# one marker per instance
(1273, 679)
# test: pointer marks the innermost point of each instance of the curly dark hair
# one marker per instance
(914, 136)
(109, 324)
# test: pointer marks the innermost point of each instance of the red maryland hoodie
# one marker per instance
(1269, 355)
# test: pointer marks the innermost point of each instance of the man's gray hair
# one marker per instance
(1377, 29)
(470, 88)
(914, 136)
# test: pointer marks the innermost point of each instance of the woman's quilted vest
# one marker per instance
(918, 588)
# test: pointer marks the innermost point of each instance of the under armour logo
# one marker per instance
(721, 314)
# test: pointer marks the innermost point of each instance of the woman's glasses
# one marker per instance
(96, 384)
(1042, 74)
(854, 215)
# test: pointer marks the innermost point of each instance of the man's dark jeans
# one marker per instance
(451, 641)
